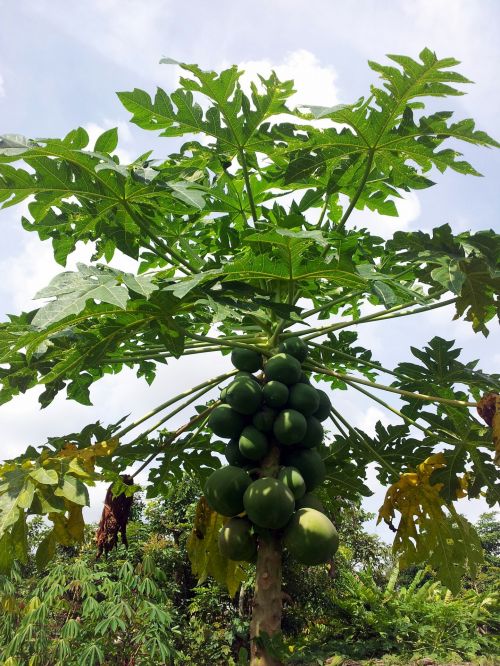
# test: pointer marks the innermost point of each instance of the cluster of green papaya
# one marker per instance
(280, 411)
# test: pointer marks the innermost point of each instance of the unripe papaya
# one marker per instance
(311, 537)
(310, 465)
(324, 407)
(253, 443)
(225, 488)
(236, 540)
(246, 359)
(293, 479)
(304, 398)
(310, 501)
(225, 422)
(296, 347)
(283, 368)
(234, 455)
(269, 503)
(314, 433)
(275, 394)
(263, 419)
(244, 396)
(290, 427)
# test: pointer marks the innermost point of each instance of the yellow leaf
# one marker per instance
(203, 550)
(86, 456)
(416, 500)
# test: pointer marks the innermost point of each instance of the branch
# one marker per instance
(166, 248)
(310, 333)
(383, 387)
(164, 405)
(174, 436)
(364, 442)
(248, 188)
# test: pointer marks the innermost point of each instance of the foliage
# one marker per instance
(242, 237)
(345, 609)
(364, 620)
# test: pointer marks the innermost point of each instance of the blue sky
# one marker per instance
(61, 63)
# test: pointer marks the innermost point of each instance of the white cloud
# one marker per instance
(315, 83)
(2, 86)
(130, 33)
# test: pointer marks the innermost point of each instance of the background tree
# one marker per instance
(227, 262)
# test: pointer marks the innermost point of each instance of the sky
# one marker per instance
(61, 64)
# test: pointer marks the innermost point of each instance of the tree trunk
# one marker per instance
(267, 600)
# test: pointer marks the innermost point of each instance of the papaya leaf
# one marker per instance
(203, 550)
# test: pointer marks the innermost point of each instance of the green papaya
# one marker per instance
(275, 394)
(310, 465)
(263, 419)
(283, 368)
(236, 540)
(311, 537)
(253, 443)
(269, 503)
(225, 488)
(290, 427)
(324, 407)
(296, 347)
(225, 422)
(246, 359)
(314, 433)
(244, 396)
(304, 398)
(310, 501)
(293, 479)
(234, 455)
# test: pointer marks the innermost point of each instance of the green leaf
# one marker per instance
(203, 550)
(47, 477)
(107, 141)
(45, 551)
(73, 490)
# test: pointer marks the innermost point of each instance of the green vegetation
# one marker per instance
(144, 602)
(245, 245)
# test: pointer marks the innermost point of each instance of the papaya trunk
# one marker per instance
(267, 600)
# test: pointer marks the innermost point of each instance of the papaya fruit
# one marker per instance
(310, 465)
(225, 422)
(324, 407)
(263, 419)
(234, 455)
(310, 501)
(246, 359)
(244, 396)
(275, 394)
(269, 503)
(311, 537)
(236, 540)
(293, 479)
(283, 368)
(253, 443)
(290, 427)
(225, 488)
(314, 433)
(304, 398)
(296, 347)
(245, 376)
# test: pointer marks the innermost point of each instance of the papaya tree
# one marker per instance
(245, 245)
